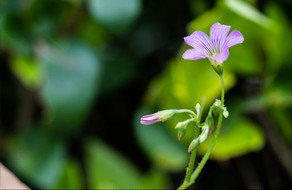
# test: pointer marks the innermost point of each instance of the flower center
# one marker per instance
(213, 54)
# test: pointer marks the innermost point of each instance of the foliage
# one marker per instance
(77, 75)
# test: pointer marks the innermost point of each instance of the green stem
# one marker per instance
(206, 156)
(188, 111)
(222, 89)
(195, 174)
(192, 161)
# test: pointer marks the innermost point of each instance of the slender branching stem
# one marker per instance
(207, 155)
(192, 161)
(188, 181)
(188, 111)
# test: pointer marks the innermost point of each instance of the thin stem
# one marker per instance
(222, 89)
(190, 168)
(202, 108)
(207, 155)
(195, 174)
(192, 161)
(188, 111)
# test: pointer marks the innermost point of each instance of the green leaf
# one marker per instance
(72, 176)
(249, 12)
(100, 35)
(245, 136)
(278, 51)
(279, 91)
(117, 15)
(72, 72)
(107, 169)
(38, 157)
(155, 179)
(27, 71)
(185, 83)
(160, 146)
(277, 98)
(121, 67)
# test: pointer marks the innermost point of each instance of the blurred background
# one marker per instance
(77, 75)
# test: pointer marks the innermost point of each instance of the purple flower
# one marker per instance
(214, 48)
(158, 117)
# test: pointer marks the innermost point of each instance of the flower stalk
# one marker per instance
(191, 175)
(216, 49)
(194, 152)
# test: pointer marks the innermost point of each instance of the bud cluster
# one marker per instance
(205, 126)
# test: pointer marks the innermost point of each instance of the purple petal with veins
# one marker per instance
(215, 47)
(235, 37)
(193, 54)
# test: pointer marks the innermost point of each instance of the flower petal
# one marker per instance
(200, 41)
(222, 56)
(235, 37)
(193, 54)
(218, 34)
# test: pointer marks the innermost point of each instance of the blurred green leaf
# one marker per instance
(27, 71)
(247, 11)
(282, 120)
(38, 157)
(160, 146)
(107, 169)
(279, 91)
(277, 97)
(92, 32)
(155, 179)
(183, 85)
(75, 2)
(117, 15)
(278, 50)
(72, 176)
(245, 136)
(121, 67)
(72, 73)
(14, 6)
(14, 34)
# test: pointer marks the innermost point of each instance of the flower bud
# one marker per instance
(181, 133)
(198, 108)
(225, 113)
(203, 136)
(217, 103)
(180, 125)
(194, 144)
(210, 119)
(216, 108)
(150, 119)
(157, 117)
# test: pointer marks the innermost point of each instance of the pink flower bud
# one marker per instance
(150, 119)
(158, 117)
